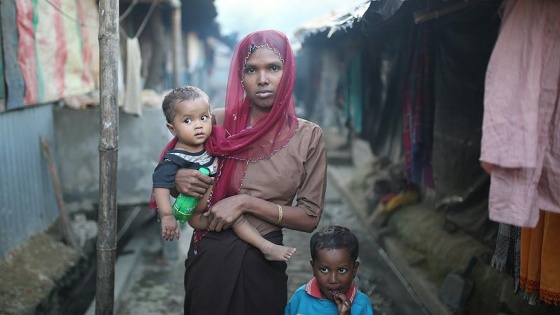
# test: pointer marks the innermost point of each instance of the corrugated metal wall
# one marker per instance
(27, 200)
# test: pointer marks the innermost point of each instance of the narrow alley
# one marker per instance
(154, 287)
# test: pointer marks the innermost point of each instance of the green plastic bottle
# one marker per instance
(184, 206)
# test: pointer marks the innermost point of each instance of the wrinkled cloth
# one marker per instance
(521, 134)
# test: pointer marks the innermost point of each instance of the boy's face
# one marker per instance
(334, 271)
(192, 124)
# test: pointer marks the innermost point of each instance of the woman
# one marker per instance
(269, 158)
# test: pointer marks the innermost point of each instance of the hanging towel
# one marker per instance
(133, 84)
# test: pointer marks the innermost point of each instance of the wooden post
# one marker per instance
(177, 43)
(108, 146)
(65, 225)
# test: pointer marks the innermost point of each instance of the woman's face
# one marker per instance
(261, 77)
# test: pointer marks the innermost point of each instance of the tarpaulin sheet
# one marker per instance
(57, 48)
(385, 61)
(463, 44)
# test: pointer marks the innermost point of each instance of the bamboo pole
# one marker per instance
(176, 42)
(108, 146)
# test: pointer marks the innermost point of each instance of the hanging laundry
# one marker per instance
(133, 84)
(418, 109)
(540, 260)
(507, 252)
(521, 116)
(521, 147)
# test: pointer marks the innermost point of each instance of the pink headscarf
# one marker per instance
(234, 143)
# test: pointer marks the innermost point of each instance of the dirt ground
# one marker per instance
(33, 272)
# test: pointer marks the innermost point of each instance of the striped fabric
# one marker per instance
(56, 54)
(521, 132)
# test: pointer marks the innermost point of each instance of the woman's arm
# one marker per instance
(226, 211)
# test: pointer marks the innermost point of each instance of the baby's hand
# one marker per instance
(342, 303)
(169, 227)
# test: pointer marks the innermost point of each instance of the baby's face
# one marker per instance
(334, 271)
(192, 124)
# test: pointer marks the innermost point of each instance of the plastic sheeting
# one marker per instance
(384, 68)
(57, 48)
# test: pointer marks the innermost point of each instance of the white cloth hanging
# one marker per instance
(133, 84)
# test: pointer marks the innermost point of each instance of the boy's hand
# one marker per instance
(169, 227)
(342, 303)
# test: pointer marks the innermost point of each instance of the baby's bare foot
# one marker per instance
(275, 252)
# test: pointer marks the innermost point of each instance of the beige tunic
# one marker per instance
(300, 168)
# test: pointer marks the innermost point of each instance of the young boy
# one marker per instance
(187, 111)
(334, 255)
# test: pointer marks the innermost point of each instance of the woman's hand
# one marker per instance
(222, 214)
(192, 183)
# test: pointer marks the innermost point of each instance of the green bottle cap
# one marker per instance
(204, 170)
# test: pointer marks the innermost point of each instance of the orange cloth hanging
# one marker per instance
(540, 259)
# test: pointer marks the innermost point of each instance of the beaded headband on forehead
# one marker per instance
(251, 50)
(253, 47)
(273, 40)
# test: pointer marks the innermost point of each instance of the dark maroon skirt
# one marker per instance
(230, 277)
